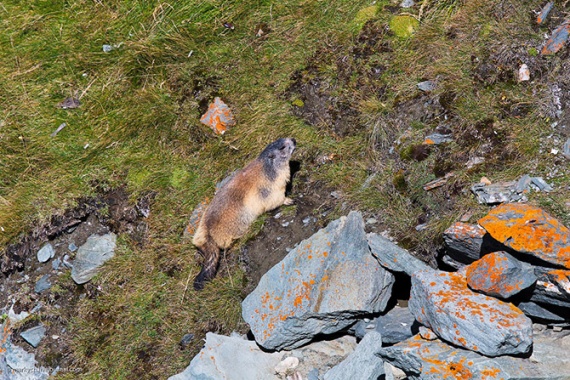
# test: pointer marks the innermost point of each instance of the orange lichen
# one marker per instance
(5, 335)
(529, 229)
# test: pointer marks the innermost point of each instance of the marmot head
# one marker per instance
(276, 156)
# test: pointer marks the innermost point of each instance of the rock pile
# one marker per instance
(474, 322)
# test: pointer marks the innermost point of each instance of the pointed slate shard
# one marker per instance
(362, 364)
(392, 257)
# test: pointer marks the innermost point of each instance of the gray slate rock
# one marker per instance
(499, 274)
(539, 313)
(321, 287)
(549, 291)
(427, 86)
(566, 149)
(464, 243)
(435, 360)
(395, 326)
(392, 257)
(45, 253)
(42, 284)
(217, 360)
(91, 255)
(34, 335)
(17, 364)
(443, 302)
(501, 192)
(362, 364)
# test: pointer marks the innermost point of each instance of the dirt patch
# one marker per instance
(54, 308)
(326, 92)
(284, 228)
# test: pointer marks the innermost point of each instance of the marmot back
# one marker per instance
(257, 188)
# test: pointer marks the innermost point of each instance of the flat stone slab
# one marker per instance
(321, 287)
(34, 335)
(395, 326)
(499, 274)
(392, 257)
(362, 364)
(91, 255)
(443, 302)
(435, 360)
(530, 230)
(217, 360)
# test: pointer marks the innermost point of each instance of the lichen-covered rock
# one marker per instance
(362, 364)
(321, 287)
(443, 302)
(530, 230)
(560, 278)
(393, 257)
(550, 288)
(435, 360)
(395, 326)
(464, 241)
(499, 274)
(230, 357)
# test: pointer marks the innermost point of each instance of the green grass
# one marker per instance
(138, 125)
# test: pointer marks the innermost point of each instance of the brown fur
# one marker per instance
(257, 188)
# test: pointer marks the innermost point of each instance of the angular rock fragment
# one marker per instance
(217, 360)
(497, 193)
(34, 335)
(435, 360)
(45, 253)
(17, 364)
(557, 40)
(547, 290)
(443, 302)
(91, 255)
(560, 278)
(42, 284)
(362, 363)
(499, 274)
(395, 326)
(437, 139)
(392, 257)
(219, 117)
(542, 16)
(464, 242)
(530, 230)
(539, 313)
(322, 286)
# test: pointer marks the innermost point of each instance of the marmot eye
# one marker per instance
(283, 147)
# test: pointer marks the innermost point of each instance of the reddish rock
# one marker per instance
(443, 302)
(195, 218)
(528, 229)
(499, 274)
(219, 117)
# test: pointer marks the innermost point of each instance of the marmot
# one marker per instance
(257, 188)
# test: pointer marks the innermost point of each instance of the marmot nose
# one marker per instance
(294, 141)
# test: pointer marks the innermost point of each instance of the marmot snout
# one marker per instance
(257, 188)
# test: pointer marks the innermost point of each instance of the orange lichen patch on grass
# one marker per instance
(529, 229)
